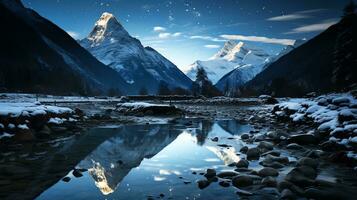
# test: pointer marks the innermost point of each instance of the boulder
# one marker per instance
(227, 174)
(303, 139)
(269, 181)
(203, 184)
(210, 173)
(268, 171)
(242, 181)
(253, 153)
(242, 163)
(308, 162)
(265, 145)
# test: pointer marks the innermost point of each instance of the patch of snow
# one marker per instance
(23, 126)
(4, 135)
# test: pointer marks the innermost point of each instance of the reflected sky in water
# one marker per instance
(149, 160)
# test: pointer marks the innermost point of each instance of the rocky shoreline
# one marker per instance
(289, 153)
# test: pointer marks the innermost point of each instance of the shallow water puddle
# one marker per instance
(152, 160)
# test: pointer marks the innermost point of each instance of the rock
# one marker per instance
(308, 162)
(298, 177)
(265, 145)
(272, 134)
(203, 184)
(314, 154)
(224, 183)
(269, 181)
(341, 100)
(253, 154)
(224, 145)
(215, 139)
(268, 171)
(66, 179)
(243, 192)
(227, 174)
(283, 160)
(77, 173)
(307, 171)
(273, 153)
(270, 100)
(287, 194)
(303, 139)
(294, 146)
(242, 163)
(210, 173)
(242, 181)
(244, 149)
(269, 163)
(244, 136)
(288, 185)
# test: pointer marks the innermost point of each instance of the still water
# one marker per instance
(146, 161)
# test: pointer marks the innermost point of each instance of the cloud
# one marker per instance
(73, 34)
(209, 38)
(212, 46)
(169, 35)
(313, 27)
(259, 39)
(288, 17)
(296, 15)
(159, 29)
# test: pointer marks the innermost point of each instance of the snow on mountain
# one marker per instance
(233, 55)
(255, 62)
(50, 60)
(141, 67)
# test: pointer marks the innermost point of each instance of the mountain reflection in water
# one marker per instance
(142, 160)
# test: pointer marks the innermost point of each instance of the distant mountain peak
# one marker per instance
(107, 27)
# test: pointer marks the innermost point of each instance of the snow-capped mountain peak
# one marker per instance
(228, 46)
(107, 27)
(142, 68)
(233, 55)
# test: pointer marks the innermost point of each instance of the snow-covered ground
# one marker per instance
(335, 114)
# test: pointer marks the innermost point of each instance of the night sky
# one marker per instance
(185, 31)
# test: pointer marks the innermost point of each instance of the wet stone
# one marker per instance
(210, 173)
(242, 181)
(253, 154)
(268, 171)
(203, 184)
(244, 149)
(227, 174)
(242, 163)
(269, 181)
(66, 179)
(224, 183)
(77, 173)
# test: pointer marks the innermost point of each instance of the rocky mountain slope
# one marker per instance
(140, 67)
(38, 56)
(230, 83)
(323, 64)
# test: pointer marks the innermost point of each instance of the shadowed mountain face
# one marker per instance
(111, 161)
(140, 67)
(325, 63)
(38, 56)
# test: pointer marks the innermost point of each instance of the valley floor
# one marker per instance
(193, 149)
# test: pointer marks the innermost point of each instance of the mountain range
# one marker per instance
(38, 56)
(141, 67)
(233, 55)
